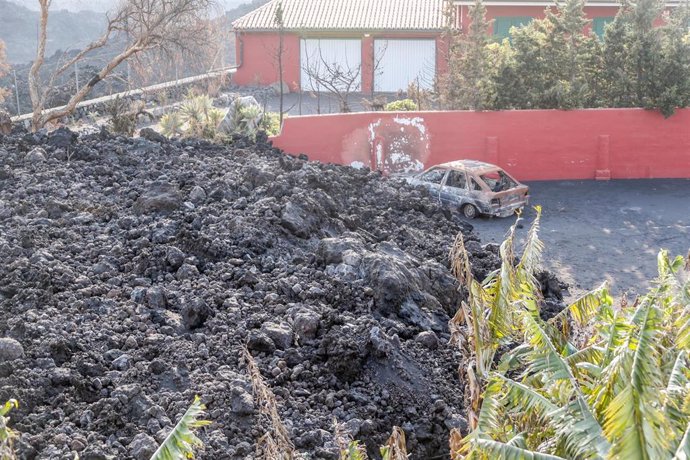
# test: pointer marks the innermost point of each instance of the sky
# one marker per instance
(100, 5)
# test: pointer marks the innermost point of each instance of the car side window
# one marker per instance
(434, 176)
(498, 181)
(456, 179)
(475, 186)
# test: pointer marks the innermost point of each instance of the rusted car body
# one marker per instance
(474, 187)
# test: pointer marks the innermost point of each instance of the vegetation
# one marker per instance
(403, 105)
(463, 86)
(559, 63)
(140, 24)
(271, 123)
(182, 441)
(618, 387)
(7, 435)
(4, 67)
(275, 444)
(196, 117)
(596, 381)
(123, 115)
(395, 448)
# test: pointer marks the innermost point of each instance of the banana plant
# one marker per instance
(182, 441)
(623, 394)
(7, 435)
(488, 321)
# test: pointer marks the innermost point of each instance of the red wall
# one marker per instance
(257, 64)
(256, 59)
(531, 144)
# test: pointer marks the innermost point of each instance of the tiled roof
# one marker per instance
(545, 3)
(348, 15)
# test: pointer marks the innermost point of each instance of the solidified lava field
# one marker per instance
(135, 270)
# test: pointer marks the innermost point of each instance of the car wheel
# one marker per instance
(470, 211)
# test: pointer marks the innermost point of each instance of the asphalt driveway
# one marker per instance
(596, 231)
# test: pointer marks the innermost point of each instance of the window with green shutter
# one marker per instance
(502, 25)
(599, 25)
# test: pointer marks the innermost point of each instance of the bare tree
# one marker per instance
(4, 67)
(163, 25)
(279, 53)
(156, 65)
(339, 79)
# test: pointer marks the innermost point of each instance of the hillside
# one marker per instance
(66, 30)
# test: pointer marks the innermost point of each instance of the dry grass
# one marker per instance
(455, 442)
(275, 444)
(348, 449)
(395, 448)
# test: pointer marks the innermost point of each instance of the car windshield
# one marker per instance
(433, 175)
(498, 181)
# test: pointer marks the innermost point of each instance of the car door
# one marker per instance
(477, 195)
(432, 180)
(454, 189)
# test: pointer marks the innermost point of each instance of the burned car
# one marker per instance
(474, 187)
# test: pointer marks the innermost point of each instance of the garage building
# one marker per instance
(379, 45)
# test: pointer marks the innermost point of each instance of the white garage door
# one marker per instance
(336, 61)
(400, 62)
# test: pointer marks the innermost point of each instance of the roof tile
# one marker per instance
(347, 15)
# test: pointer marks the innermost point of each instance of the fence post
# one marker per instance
(16, 92)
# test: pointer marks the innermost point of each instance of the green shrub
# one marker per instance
(271, 123)
(403, 105)
(196, 117)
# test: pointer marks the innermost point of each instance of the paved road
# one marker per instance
(596, 231)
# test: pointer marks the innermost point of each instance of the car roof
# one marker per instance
(469, 165)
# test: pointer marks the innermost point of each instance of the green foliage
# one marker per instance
(247, 120)
(353, 451)
(618, 389)
(182, 441)
(403, 105)
(7, 435)
(270, 122)
(200, 117)
(552, 63)
(466, 84)
(171, 124)
(196, 117)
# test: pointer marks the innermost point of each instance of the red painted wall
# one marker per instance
(256, 60)
(256, 51)
(257, 66)
(531, 144)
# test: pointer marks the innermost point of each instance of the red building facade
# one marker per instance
(384, 44)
